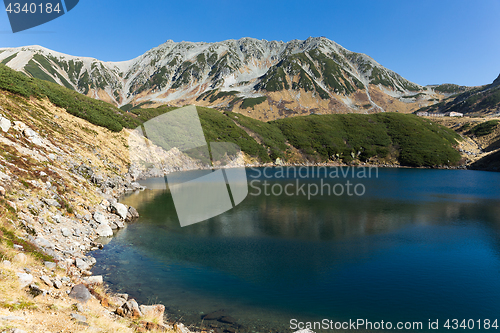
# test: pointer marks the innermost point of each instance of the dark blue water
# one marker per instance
(419, 245)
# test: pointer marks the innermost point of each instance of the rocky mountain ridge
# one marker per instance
(471, 101)
(265, 79)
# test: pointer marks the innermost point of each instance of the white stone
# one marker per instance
(5, 124)
(95, 279)
(104, 230)
(46, 280)
(50, 264)
(82, 264)
(65, 232)
(100, 218)
(58, 284)
(120, 209)
(44, 243)
(25, 279)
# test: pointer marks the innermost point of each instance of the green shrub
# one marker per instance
(251, 102)
(97, 112)
(485, 128)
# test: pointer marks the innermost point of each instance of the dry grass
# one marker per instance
(77, 139)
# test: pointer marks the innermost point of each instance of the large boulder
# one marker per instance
(104, 230)
(82, 264)
(80, 293)
(100, 218)
(132, 214)
(119, 209)
(130, 309)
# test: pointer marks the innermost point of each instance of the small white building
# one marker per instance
(454, 114)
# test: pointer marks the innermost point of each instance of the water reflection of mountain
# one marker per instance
(269, 238)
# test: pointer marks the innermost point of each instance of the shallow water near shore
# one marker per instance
(418, 245)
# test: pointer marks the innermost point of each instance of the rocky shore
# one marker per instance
(60, 180)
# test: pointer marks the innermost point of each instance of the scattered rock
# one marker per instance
(18, 247)
(65, 232)
(150, 326)
(81, 264)
(104, 230)
(119, 209)
(35, 290)
(44, 243)
(6, 263)
(57, 218)
(57, 284)
(2, 192)
(25, 279)
(20, 258)
(50, 264)
(129, 309)
(117, 301)
(46, 280)
(32, 136)
(132, 214)
(153, 312)
(5, 124)
(97, 279)
(100, 218)
(78, 317)
(79, 307)
(51, 202)
(124, 296)
(80, 293)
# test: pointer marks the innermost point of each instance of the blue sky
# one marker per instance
(427, 42)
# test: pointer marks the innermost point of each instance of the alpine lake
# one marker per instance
(396, 245)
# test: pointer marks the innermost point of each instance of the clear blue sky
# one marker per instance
(431, 41)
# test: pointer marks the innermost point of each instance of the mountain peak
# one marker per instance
(278, 78)
(497, 80)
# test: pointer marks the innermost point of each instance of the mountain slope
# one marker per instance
(478, 101)
(377, 138)
(265, 79)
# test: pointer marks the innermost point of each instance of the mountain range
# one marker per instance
(265, 80)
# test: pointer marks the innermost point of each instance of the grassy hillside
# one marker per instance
(409, 139)
(96, 112)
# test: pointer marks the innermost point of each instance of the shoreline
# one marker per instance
(56, 172)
